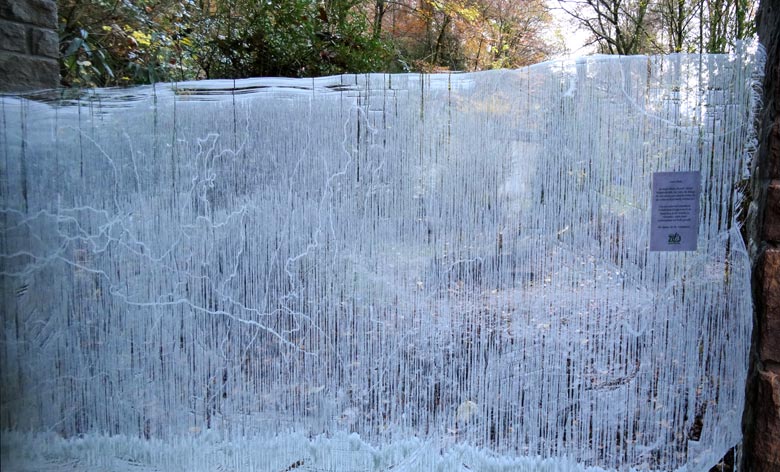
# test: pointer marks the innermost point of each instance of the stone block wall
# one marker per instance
(762, 415)
(29, 45)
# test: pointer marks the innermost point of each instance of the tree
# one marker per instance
(296, 38)
(664, 26)
(617, 26)
(464, 34)
(115, 42)
(513, 33)
(423, 32)
(725, 21)
(678, 19)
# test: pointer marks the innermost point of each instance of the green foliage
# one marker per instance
(118, 42)
(122, 42)
(295, 38)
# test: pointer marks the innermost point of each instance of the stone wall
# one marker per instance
(29, 45)
(762, 415)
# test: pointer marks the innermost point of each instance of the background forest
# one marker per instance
(123, 42)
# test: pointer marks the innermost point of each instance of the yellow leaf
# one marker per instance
(141, 38)
(468, 14)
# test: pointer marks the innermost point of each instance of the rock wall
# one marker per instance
(29, 45)
(762, 416)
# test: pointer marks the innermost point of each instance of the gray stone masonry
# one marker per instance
(29, 45)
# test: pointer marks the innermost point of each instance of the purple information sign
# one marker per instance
(675, 217)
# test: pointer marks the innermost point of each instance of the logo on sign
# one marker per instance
(675, 238)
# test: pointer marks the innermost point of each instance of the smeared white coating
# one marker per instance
(461, 259)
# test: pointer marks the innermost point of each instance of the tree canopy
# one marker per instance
(663, 26)
(116, 42)
(119, 42)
